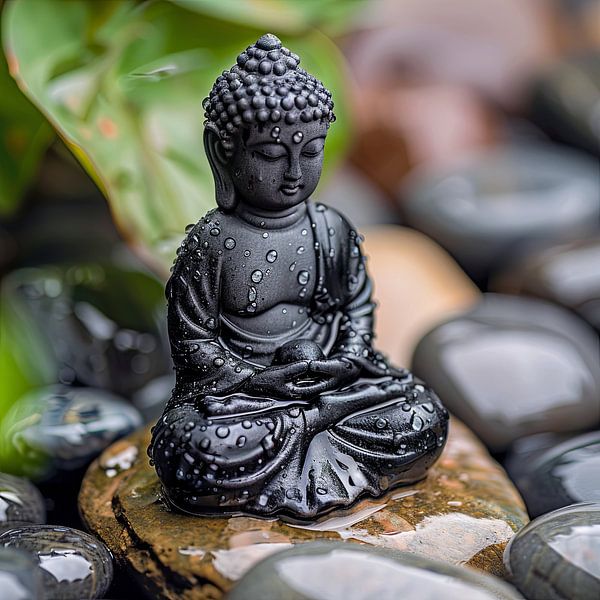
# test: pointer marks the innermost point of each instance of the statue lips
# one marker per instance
(290, 190)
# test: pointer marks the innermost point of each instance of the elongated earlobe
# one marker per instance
(224, 188)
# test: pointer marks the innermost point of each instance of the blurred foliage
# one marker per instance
(289, 16)
(24, 136)
(122, 83)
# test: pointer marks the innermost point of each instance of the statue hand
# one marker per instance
(280, 382)
(338, 372)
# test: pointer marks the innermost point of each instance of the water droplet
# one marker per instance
(293, 266)
(252, 294)
(297, 137)
(300, 250)
(230, 243)
(381, 423)
(284, 311)
(240, 441)
(247, 353)
(218, 362)
(303, 277)
(275, 132)
(417, 423)
(257, 276)
(321, 491)
(265, 235)
(210, 323)
(304, 232)
(189, 227)
(222, 432)
(205, 443)
(215, 231)
(271, 256)
(246, 424)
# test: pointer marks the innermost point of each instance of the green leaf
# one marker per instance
(289, 16)
(123, 84)
(24, 136)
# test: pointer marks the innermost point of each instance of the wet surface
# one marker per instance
(322, 571)
(74, 565)
(463, 513)
(557, 556)
(504, 203)
(20, 577)
(20, 501)
(513, 367)
(57, 430)
(567, 275)
(562, 474)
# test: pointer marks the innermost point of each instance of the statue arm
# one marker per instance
(202, 364)
(355, 337)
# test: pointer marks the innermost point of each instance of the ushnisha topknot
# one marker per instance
(265, 85)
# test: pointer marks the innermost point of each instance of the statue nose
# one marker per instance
(293, 173)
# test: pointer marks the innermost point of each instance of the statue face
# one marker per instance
(277, 166)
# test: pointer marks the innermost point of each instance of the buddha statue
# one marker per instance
(281, 403)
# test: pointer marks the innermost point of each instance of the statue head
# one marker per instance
(265, 129)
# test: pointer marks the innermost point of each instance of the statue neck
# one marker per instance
(271, 219)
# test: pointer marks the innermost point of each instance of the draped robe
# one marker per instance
(219, 449)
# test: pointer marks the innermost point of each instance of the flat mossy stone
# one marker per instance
(464, 512)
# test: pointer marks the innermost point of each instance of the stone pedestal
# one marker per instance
(463, 513)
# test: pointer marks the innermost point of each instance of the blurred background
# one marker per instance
(466, 147)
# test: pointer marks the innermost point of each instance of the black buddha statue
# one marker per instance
(281, 403)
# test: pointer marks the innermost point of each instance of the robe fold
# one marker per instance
(219, 449)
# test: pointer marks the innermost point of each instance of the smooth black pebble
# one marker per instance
(20, 501)
(512, 367)
(556, 476)
(74, 564)
(557, 556)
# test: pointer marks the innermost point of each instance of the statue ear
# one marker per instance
(218, 157)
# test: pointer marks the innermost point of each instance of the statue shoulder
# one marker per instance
(336, 220)
(205, 238)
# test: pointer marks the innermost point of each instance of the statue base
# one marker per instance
(464, 512)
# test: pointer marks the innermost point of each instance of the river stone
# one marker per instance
(557, 556)
(513, 367)
(95, 324)
(55, 431)
(464, 512)
(564, 474)
(325, 570)
(20, 501)
(20, 576)
(74, 564)
(564, 100)
(502, 204)
(567, 275)
(432, 288)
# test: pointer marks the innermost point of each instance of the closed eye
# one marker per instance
(271, 152)
(314, 147)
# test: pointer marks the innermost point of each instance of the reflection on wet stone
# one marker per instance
(20, 501)
(502, 204)
(327, 570)
(557, 556)
(74, 565)
(567, 275)
(512, 367)
(561, 474)
(20, 577)
(55, 431)
(100, 325)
